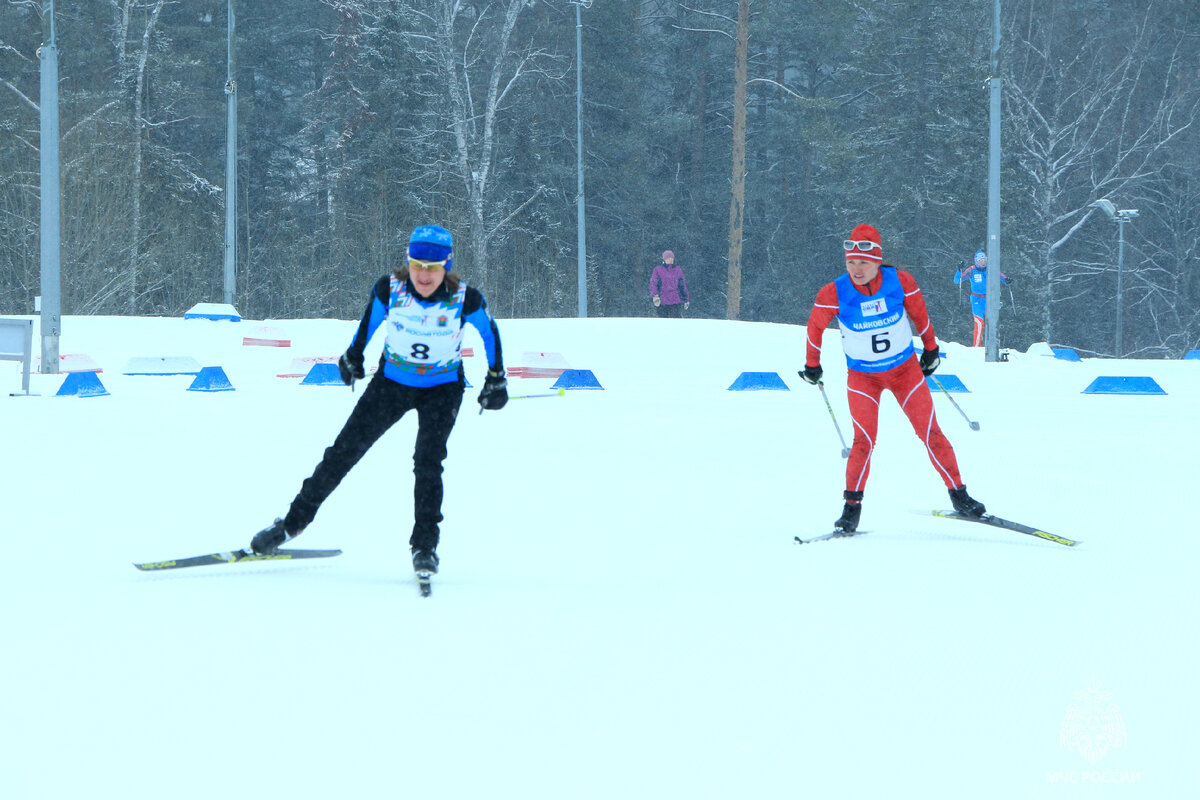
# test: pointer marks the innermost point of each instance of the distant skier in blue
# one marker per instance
(977, 276)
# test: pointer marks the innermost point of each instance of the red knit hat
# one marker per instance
(668, 254)
(864, 233)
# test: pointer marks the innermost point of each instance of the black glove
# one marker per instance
(350, 367)
(930, 361)
(811, 374)
(494, 393)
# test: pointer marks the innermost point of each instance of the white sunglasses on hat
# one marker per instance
(866, 245)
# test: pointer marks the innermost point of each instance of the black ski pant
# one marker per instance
(382, 404)
(674, 310)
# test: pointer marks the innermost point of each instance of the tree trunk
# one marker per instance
(737, 201)
(135, 213)
(474, 127)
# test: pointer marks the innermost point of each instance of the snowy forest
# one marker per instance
(359, 119)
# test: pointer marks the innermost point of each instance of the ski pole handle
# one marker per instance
(836, 427)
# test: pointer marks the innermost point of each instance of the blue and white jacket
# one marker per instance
(424, 335)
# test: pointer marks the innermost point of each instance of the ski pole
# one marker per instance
(974, 425)
(836, 427)
(559, 393)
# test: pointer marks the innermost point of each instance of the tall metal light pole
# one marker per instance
(1121, 217)
(991, 314)
(581, 227)
(50, 223)
(230, 164)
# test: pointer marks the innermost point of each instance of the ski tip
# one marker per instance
(233, 557)
(1008, 524)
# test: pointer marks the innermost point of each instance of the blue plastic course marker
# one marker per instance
(758, 382)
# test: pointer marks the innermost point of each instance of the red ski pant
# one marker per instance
(977, 335)
(908, 385)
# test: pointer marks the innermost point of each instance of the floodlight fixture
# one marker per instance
(1121, 217)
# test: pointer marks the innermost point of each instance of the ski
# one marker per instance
(424, 584)
(838, 534)
(1007, 524)
(233, 557)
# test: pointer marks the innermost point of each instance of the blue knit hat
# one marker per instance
(981, 259)
(431, 243)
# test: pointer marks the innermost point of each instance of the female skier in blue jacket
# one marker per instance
(425, 308)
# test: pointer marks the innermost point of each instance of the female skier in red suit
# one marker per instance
(878, 307)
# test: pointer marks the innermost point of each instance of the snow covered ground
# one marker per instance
(622, 611)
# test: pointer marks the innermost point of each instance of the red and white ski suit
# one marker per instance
(896, 369)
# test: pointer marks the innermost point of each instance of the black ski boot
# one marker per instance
(965, 504)
(851, 511)
(425, 561)
(269, 539)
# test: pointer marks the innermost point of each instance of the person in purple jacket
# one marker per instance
(668, 289)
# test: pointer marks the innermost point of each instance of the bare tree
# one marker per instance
(476, 66)
(135, 67)
(338, 114)
(1164, 299)
(92, 235)
(1088, 119)
(737, 196)
(19, 254)
(706, 18)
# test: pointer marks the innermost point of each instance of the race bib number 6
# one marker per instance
(876, 344)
